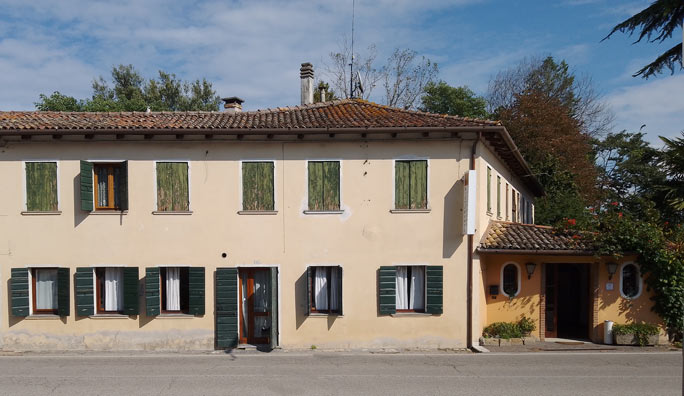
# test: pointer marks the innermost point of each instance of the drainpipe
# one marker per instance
(469, 271)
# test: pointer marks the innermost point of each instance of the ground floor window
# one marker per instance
(175, 297)
(630, 281)
(109, 290)
(325, 289)
(510, 280)
(44, 290)
(410, 289)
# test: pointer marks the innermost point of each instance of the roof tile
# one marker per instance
(503, 235)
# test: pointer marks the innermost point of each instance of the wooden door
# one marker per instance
(255, 306)
(551, 298)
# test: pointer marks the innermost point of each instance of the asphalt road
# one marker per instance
(321, 373)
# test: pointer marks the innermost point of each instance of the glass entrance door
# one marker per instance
(255, 306)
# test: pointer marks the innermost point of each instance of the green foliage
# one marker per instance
(442, 98)
(131, 92)
(640, 330)
(673, 161)
(329, 93)
(508, 330)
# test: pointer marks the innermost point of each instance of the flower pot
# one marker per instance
(630, 339)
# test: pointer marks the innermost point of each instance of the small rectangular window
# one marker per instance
(108, 188)
(514, 207)
(109, 290)
(45, 290)
(498, 196)
(41, 187)
(258, 186)
(410, 289)
(410, 184)
(489, 190)
(324, 185)
(506, 198)
(173, 194)
(325, 289)
(519, 207)
(175, 296)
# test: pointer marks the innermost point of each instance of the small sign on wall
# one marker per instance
(609, 286)
(469, 202)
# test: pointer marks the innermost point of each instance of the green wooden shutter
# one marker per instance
(19, 285)
(249, 186)
(85, 294)
(173, 194)
(274, 307)
(331, 185)
(489, 190)
(387, 290)
(339, 290)
(86, 186)
(226, 307)
(266, 187)
(258, 186)
(41, 186)
(401, 184)
(131, 305)
(435, 289)
(63, 291)
(123, 188)
(315, 185)
(196, 290)
(152, 300)
(309, 289)
(418, 185)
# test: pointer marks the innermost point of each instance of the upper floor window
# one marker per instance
(510, 280)
(173, 192)
(324, 185)
(489, 190)
(258, 186)
(514, 207)
(498, 196)
(108, 180)
(630, 281)
(410, 184)
(41, 187)
(506, 199)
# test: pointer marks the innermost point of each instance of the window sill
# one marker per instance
(109, 212)
(324, 315)
(410, 210)
(43, 317)
(401, 314)
(161, 212)
(175, 316)
(257, 212)
(108, 316)
(323, 212)
(46, 213)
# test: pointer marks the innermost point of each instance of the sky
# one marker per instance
(253, 49)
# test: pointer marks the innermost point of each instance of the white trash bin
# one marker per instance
(608, 332)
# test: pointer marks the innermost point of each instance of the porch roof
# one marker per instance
(503, 237)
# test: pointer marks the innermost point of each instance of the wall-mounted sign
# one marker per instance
(609, 286)
(469, 202)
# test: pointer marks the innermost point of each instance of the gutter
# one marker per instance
(469, 267)
(537, 252)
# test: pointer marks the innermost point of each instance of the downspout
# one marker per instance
(469, 270)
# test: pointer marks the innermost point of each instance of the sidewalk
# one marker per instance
(562, 345)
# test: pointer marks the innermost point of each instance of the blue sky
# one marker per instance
(253, 49)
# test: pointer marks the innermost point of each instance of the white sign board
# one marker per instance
(469, 202)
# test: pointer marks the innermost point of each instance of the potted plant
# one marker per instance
(636, 334)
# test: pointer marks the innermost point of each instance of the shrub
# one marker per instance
(526, 325)
(640, 330)
(502, 330)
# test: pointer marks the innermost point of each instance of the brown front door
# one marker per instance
(255, 306)
(551, 325)
(568, 301)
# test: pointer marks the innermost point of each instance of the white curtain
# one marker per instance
(113, 285)
(173, 289)
(402, 288)
(335, 288)
(321, 289)
(46, 289)
(417, 288)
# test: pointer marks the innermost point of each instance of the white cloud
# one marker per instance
(656, 103)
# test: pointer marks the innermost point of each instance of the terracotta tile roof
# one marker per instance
(503, 236)
(347, 113)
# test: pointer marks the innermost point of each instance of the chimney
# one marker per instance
(321, 89)
(232, 105)
(306, 73)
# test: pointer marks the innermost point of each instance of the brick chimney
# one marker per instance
(306, 73)
(232, 105)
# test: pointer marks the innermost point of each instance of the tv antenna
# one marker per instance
(351, 63)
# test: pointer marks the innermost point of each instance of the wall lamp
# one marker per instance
(530, 269)
(611, 267)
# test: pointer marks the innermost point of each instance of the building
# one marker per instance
(342, 224)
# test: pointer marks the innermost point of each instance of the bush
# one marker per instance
(640, 330)
(509, 329)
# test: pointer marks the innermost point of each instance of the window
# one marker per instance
(41, 187)
(514, 207)
(410, 184)
(410, 289)
(173, 193)
(518, 212)
(510, 280)
(45, 291)
(489, 190)
(506, 198)
(630, 281)
(325, 290)
(324, 185)
(257, 186)
(107, 179)
(174, 290)
(498, 196)
(523, 211)
(109, 290)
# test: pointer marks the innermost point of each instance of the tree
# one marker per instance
(131, 92)
(442, 98)
(329, 93)
(656, 22)
(673, 162)
(405, 78)
(338, 70)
